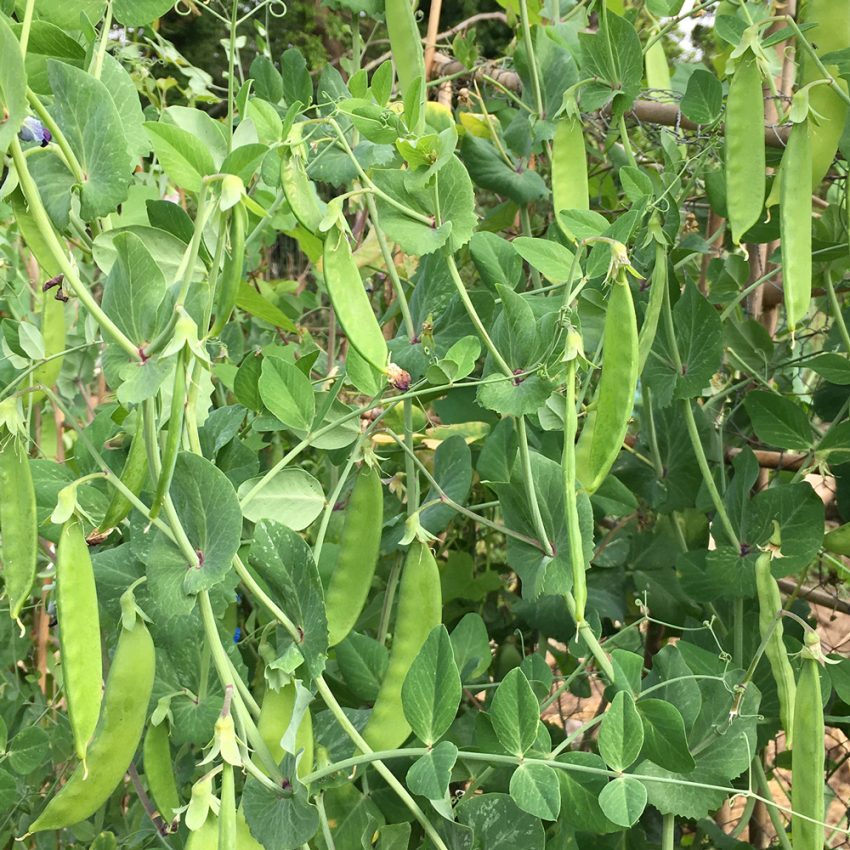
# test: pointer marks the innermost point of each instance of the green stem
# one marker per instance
(530, 490)
(410, 460)
(26, 26)
(45, 228)
(773, 813)
(807, 46)
(392, 271)
(106, 26)
(475, 318)
(835, 307)
(532, 59)
(383, 770)
(586, 633)
(668, 832)
(231, 71)
(58, 136)
(389, 597)
(627, 145)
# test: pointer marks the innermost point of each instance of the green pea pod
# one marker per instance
(405, 43)
(350, 302)
(79, 634)
(172, 439)
(830, 33)
(771, 630)
(569, 169)
(53, 334)
(807, 757)
(275, 716)
(119, 730)
(300, 192)
(745, 157)
(231, 273)
(607, 423)
(358, 555)
(658, 283)
(227, 812)
(795, 224)
(159, 771)
(18, 523)
(133, 475)
(419, 611)
(838, 540)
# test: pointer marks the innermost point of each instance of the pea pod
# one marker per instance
(231, 273)
(173, 437)
(419, 611)
(159, 771)
(18, 524)
(358, 555)
(745, 156)
(405, 43)
(119, 730)
(771, 630)
(350, 302)
(227, 813)
(569, 169)
(206, 838)
(807, 757)
(795, 223)
(79, 634)
(607, 422)
(830, 33)
(300, 191)
(657, 286)
(53, 334)
(275, 716)
(134, 474)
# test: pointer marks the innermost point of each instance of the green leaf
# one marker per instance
(13, 86)
(209, 512)
(431, 691)
(514, 397)
(287, 393)
(186, 162)
(623, 800)
(297, 85)
(453, 473)
(251, 301)
(457, 202)
(489, 171)
(86, 114)
(124, 94)
(551, 259)
(134, 289)
(777, 421)
(580, 792)
(500, 824)
(363, 662)
(699, 335)
(536, 789)
(673, 798)
(703, 99)
(293, 494)
(664, 738)
(495, 259)
(471, 645)
(613, 56)
(429, 775)
(835, 368)
(28, 749)
(281, 820)
(351, 815)
(137, 13)
(286, 564)
(620, 733)
(515, 713)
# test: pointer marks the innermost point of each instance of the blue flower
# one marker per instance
(237, 634)
(34, 131)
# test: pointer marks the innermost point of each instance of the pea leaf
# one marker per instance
(703, 99)
(515, 713)
(28, 749)
(293, 495)
(285, 820)
(777, 421)
(457, 202)
(86, 114)
(623, 800)
(431, 691)
(536, 789)
(362, 661)
(430, 774)
(287, 393)
(551, 259)
(471, 645)
(620, 733)
(137, 13)
(489, 171)
(664, 740)
(286, 564)
(499, 824)
(185, 161)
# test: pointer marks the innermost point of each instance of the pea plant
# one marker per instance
(425, 450)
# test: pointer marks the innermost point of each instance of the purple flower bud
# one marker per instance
(34, 131)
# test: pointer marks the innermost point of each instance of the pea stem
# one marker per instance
(26, 27)
(73, 280)
(58, 136)
(809, 48)
(532, 59)
(668, 832)
(772, 808)
(105, 27)
(835, 307)
(568, 466)
(531, 492)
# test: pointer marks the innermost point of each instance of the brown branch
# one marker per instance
(645, 111)
(815, 595)
(771, 459)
